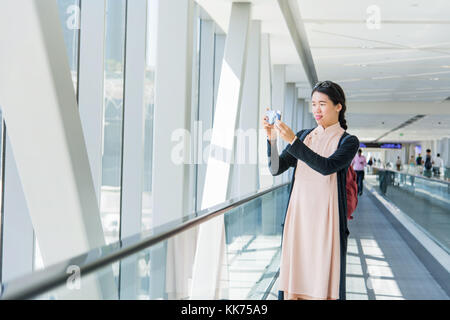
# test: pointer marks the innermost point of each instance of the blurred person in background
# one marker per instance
(359, 163)
(398, 164)
(428, 164)
(438, 163)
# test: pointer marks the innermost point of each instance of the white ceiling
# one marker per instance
(406, 60)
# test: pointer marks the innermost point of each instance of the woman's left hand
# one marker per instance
(284, 131)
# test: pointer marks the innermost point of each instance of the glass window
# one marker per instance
(195, 135)
(69, 13)
(149, 100)
(113, 118)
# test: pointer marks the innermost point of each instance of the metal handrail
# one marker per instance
(433, 179)
(41, 281)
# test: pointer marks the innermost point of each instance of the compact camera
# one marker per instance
(273, 115)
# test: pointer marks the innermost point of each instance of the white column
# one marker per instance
(446, 151)
(268, 206)
(306, 117)
(211, 240)
(295, 115)
(90, 84)
(171, 148)
(246, 177)
(18, 235)
(289, 105)
(173, 83)
(278, 94)
(219, 51)
(133, 123)
(206, 99)
(194, 146)
(299, 119)
(133, 139)
(265, 100)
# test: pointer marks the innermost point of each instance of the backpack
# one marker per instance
(428, 164)
(351, 187)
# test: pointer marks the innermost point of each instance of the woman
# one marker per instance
(315, 232)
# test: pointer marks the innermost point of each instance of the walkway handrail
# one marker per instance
(433, 179)
(42, 281)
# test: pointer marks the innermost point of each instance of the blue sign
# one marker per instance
(391, 146)
(380, 145)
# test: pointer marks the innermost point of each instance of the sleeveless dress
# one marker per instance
(310, 255)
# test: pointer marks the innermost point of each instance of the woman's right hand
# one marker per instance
(270, 130)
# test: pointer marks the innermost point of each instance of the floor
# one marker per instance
(380, 264)
(435, 219)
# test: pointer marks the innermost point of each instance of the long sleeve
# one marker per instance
(339, 160)
(280, 163)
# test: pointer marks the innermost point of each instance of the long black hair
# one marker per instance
(336, 94)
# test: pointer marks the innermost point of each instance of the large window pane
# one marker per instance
(149, 100)
(113, 118)
(69, 12)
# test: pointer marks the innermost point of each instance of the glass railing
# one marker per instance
(230, 251)
(441, 174)
(425, 200)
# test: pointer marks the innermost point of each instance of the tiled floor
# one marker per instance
(252, 265)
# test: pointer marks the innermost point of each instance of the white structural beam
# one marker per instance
(294, 22)
(45, 130)
(289, 106)
(265, 101)
(278, 95)
(133, 139)
(171, 148)
(268, 206)
(133, 130)
(218, 59)
(299, 114)
(228, 107)
(46, 135)
(193, 147)
(173, 83)
(18, 235)
(245, 168)
(211, 239)
(206, 99)
(90, 84)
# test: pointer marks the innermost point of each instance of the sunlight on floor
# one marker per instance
(369, 275)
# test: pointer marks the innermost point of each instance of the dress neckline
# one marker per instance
(331, 128)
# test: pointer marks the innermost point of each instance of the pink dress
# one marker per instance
(310, 255)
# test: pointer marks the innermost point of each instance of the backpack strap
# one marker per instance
(343, 138)
(305, 133)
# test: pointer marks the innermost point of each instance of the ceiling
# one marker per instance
(379, 51)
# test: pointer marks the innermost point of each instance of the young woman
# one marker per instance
(315, 232)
